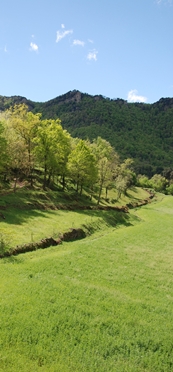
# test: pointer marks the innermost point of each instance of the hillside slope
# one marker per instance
(141, 131)
(99, 304)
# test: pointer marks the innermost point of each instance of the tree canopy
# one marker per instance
(29, 142)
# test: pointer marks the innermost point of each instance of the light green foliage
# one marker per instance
(107, 163)
(3, 147)
(121, 184)
(141, 131)
(20, 127)
(158, 183)
(33, 142)
(24, 124)
(169, 189)
(100, 304)
(143, 181)
(125, 177)
(52, 148)
(82, 165)
(17, 154)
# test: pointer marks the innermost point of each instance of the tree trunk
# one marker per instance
(49, 178)
(81, 188)
(63, 182)
(100, 192)
(45, 175)
(31, 178)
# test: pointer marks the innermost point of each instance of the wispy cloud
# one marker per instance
(92, 55)
(78, 42)
(62, 25)
(5, 49)
(134, 97)
(90, 41)
(33, 47)
(169, 2)
(61, 34)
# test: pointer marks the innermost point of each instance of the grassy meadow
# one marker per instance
(104, 303)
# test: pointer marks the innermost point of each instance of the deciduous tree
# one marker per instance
(3, 148)
(52, 147)
(107, 160)
(82, 165)
(23, 124)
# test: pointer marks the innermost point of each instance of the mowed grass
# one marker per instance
(101, 304)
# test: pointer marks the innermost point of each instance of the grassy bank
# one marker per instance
(32, 215)
(101, 304)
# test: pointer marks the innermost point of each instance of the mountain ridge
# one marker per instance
(76, 93)
(142, 131)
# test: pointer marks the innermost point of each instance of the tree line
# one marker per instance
(140, 131)
(29, 143)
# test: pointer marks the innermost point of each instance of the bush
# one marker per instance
(169, 189)
(143, 181)
(158, 183)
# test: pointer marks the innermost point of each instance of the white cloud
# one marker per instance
(5, 49)
(61, 34)
(164, 2)
(90, 41)
(78, 42)
(33, 47)
(62, 26)
(134, 97)
(92, 55)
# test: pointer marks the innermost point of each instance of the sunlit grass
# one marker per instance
(101, 304)
(31, 216)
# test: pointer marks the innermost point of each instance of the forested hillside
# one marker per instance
(140, 131)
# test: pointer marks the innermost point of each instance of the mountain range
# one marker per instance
(141, 131)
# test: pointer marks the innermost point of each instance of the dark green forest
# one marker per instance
(143, 132)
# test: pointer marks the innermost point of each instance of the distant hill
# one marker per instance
(141, 131)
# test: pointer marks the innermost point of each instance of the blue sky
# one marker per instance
(116, 48)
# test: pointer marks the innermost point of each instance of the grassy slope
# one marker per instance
(32, 215)
(100, 304)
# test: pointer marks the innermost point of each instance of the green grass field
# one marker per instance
(100, 304)
(32, 215)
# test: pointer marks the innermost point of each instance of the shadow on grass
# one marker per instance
(94, 218)
(110, 218)
(132, 196)
(17, 217)
(16, 208)
(19, 207)
(114, 218)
